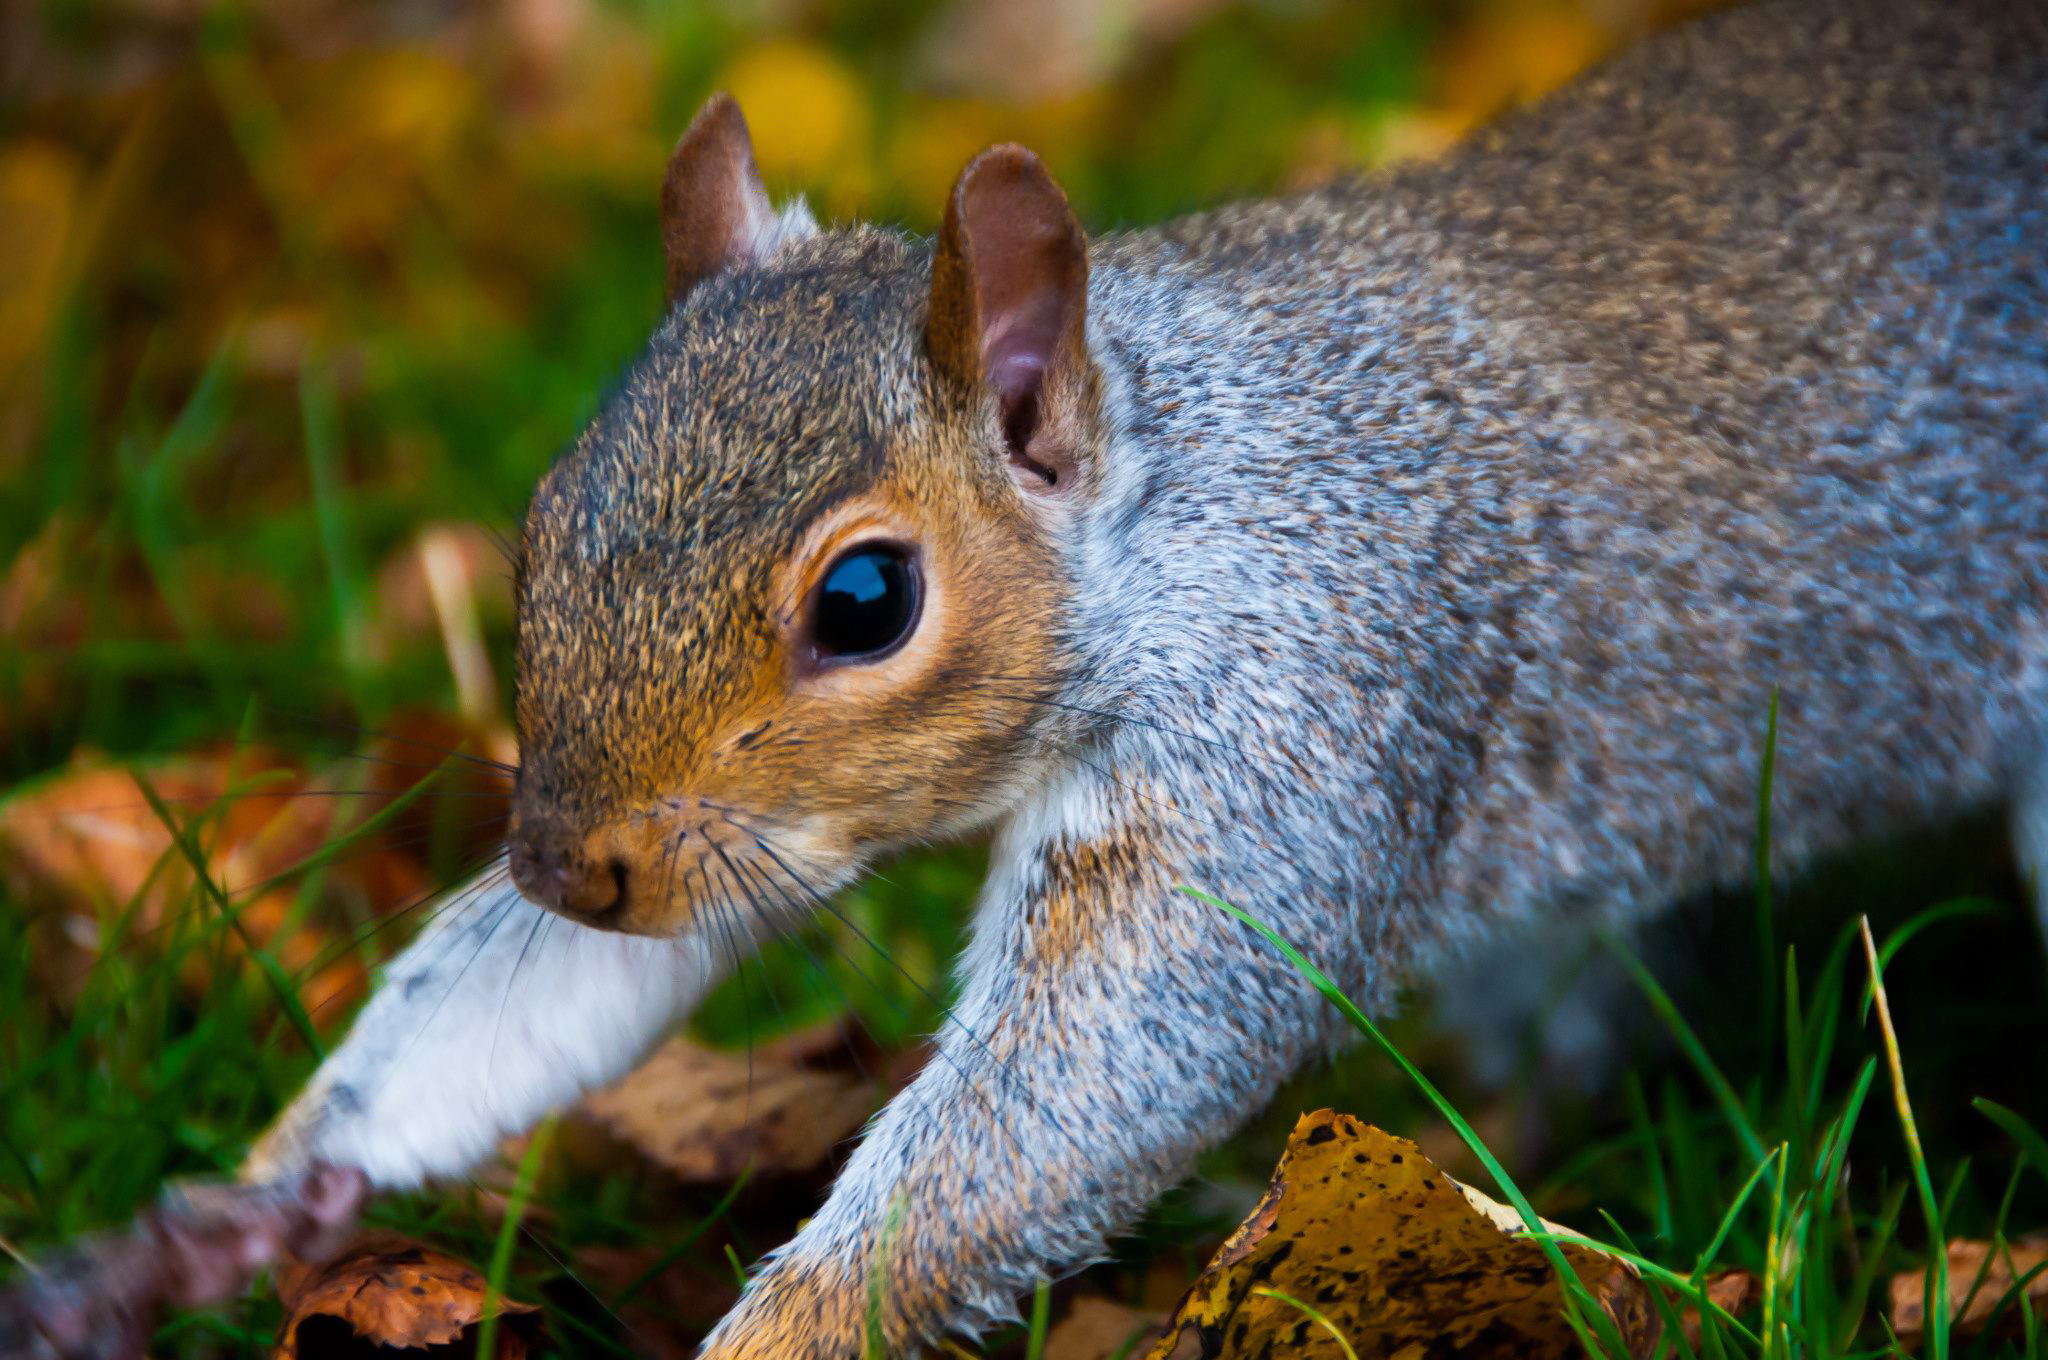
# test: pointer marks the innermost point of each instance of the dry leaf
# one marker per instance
(706, 1115)
(1401, 1259)
(1967, 1261)
(1096, 1328)
(79, 848)
(391, 1291)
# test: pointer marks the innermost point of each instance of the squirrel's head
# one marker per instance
(793, 600)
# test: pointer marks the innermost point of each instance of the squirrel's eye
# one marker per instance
(867, 604)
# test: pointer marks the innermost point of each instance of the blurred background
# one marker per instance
(297, 300)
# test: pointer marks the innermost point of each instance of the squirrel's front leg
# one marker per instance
(1109, 1029)
(497, 1013)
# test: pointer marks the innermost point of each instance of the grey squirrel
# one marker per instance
(1409, 562)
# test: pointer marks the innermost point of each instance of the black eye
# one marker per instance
(867, 604)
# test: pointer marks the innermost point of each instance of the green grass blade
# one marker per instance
(1713, 1247)
(272, 971)
(689, 1239)
(1766, 933)
(2032, 1145)
(508, 1235)
(1041, 1321)
(1265, 1291)
(1937, 1270)
(1696, 1052)
(1646, 1130)
(1680, 1284)
(876, 1345)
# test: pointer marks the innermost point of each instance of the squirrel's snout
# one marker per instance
(557, 869)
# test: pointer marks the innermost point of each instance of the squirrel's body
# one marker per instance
(1407, 562)
(1497, 496)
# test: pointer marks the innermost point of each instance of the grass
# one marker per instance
(299, 334)
(169, 1054)
(1806, 1223)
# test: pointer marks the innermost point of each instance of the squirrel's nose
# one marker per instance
(556, 870)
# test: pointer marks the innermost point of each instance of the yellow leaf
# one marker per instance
(1402, 1261)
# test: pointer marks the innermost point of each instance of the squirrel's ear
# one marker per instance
(1009, 302)
(715, 214)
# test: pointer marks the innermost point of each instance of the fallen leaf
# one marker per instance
(1981, 1277)
(82, 847)
(1401, 1260)
(706, 1115)
(391, 1291)
(1734, 1292)
(467, 806)
(1096, 1328)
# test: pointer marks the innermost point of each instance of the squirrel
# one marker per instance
(1409, 561)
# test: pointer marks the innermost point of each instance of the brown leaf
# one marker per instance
(1979, 1275)
(1096, 1328)
(1734, 1292)
(80, 848)
(390, 1291)
(411, 743)
(706, 1115)
(1397, 1256)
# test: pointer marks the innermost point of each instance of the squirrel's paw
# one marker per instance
(201, 1244)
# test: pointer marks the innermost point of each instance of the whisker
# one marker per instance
(507, 549)
(795, 935)
(238, 897)
(511, 981)
(203, 800)
(448, 903)
(826, 905)
(485, 933)
(746, 1002)
(374, 845)
(451, 752)
(455, 903)
(923, 1106)
(336, 724)
(370, 758)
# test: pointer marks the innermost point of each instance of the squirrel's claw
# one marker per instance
(201, 1244)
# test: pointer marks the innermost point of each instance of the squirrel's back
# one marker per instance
(1541, 467)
